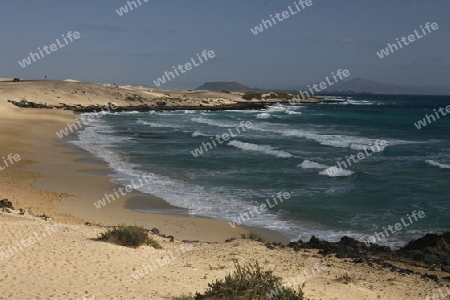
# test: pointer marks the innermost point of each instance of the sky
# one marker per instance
(141, 45)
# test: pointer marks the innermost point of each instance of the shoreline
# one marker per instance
(57, 181)
(137, 204)
(83, 178)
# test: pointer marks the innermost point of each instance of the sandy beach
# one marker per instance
(62, 182)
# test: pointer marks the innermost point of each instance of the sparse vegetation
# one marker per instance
(280, 95)
(130, 236)
(135, 97)
(253, 236)
(249, 282)
(252, 95)
(345, 278)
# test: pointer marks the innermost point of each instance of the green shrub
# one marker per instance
(250, 283)
(252, 95)
(130, 236)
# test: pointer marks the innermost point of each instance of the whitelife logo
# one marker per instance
(188, 66)
(411, 38)
(53, 47)
(124, 9)
(11, 158)
(431, 118)
(281, 17)
(257, 210)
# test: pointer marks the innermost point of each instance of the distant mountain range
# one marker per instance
(357, 85)
(361, 85)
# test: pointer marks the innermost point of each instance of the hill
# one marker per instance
(224, 86)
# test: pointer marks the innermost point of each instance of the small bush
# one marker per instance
(130, 236)
(250, 283)
(346, 278)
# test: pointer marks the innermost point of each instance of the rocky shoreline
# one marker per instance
(430, 252)
(162, 106)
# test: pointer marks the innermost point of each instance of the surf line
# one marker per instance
(257, 210)
(221, 138)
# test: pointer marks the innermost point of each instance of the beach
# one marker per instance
(62, 182)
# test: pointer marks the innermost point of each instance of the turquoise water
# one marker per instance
(289, 149)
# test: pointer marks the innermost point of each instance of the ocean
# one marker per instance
(286, 148)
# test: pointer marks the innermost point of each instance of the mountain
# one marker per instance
(224, 86)
(361, 85)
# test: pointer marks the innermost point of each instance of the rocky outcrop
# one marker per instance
(431, 251)
(160, 106)
(6, 204)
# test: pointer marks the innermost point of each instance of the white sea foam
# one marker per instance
(437, 164)
(360, 102)
(291, 112)
(260, 148)
(306, 164)
(202, 120)
(337, 141)
(198, 133)
(153, 124)
(335, 172)
(263, 116)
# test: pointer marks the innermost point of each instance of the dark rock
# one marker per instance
(270, 246)
(155, 231)
(447, 261)
(45, 217)
(430, 251)
(6, 204)
(431, 259)
(170, 237)
(16, 80)
(432, 277)
(189, 241)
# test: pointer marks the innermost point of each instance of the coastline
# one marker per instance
(86, 187)
(62, 182)
(81, 179)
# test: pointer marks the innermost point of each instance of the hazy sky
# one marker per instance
(140, 46)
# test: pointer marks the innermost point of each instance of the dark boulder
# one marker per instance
(6, 204)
